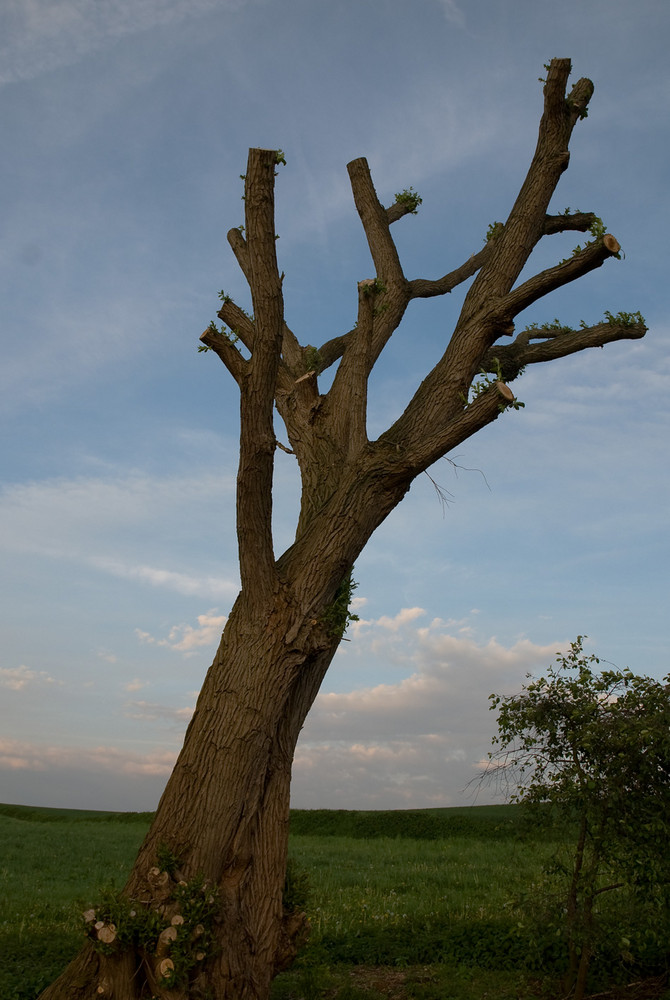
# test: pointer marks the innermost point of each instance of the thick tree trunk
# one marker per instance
(223, 816)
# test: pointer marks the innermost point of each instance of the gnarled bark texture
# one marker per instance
(220, 833)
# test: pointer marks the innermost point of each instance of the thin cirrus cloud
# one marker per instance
(91, 521)
(46, 34)
(453, 12)
(181, 583)
(80, 510)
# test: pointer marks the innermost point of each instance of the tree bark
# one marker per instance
(202, 913)
(224, 813)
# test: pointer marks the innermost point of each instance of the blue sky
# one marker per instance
(125, 127)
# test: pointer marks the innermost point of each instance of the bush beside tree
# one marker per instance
(590, 749)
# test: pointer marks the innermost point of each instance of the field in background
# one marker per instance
(402, 904)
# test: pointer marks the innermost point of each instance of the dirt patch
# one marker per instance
(387, 981)
(392, 983)
(643, 989)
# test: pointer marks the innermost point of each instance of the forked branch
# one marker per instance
(328, 432)
(526, 222)
(423, 288)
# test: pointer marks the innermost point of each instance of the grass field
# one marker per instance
(428, 905)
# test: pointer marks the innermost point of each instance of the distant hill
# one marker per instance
(42, 814)
(415, 824)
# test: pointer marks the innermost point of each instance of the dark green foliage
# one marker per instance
(409, 199)
(484, 943)
(337, 615)
(494, 230)
(166, 859)
(296, 888)
(22, 976)
(624, 318)
(198, 905)
(486, 822)
(136, 926)
(595, 746)
(312, 359)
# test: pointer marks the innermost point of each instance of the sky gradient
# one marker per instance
(125, 126)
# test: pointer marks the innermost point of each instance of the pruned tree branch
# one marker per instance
(591, 257)
(333, 349)
(418, 448)
(426, 288)
(349, 393)
(527, 219)
(238, 321)
(568, 222)
(226, 350)
(375, 221)
(490, 305)
(536, 345)
(258, 389)
(396, 211)
(238, 245)
(423, 288)
(292, 352)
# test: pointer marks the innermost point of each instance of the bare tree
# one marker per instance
(203, 910)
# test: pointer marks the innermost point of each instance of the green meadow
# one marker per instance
(445, 904)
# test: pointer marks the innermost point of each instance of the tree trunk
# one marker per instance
(572, 907)
(224, 815)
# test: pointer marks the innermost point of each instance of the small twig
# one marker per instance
(283, 447)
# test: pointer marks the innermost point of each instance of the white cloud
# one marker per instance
(404, 617)
(17, 678)
(391, 775)
(18, 755)
(134, 685)
(187, 638)
(417, 742)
